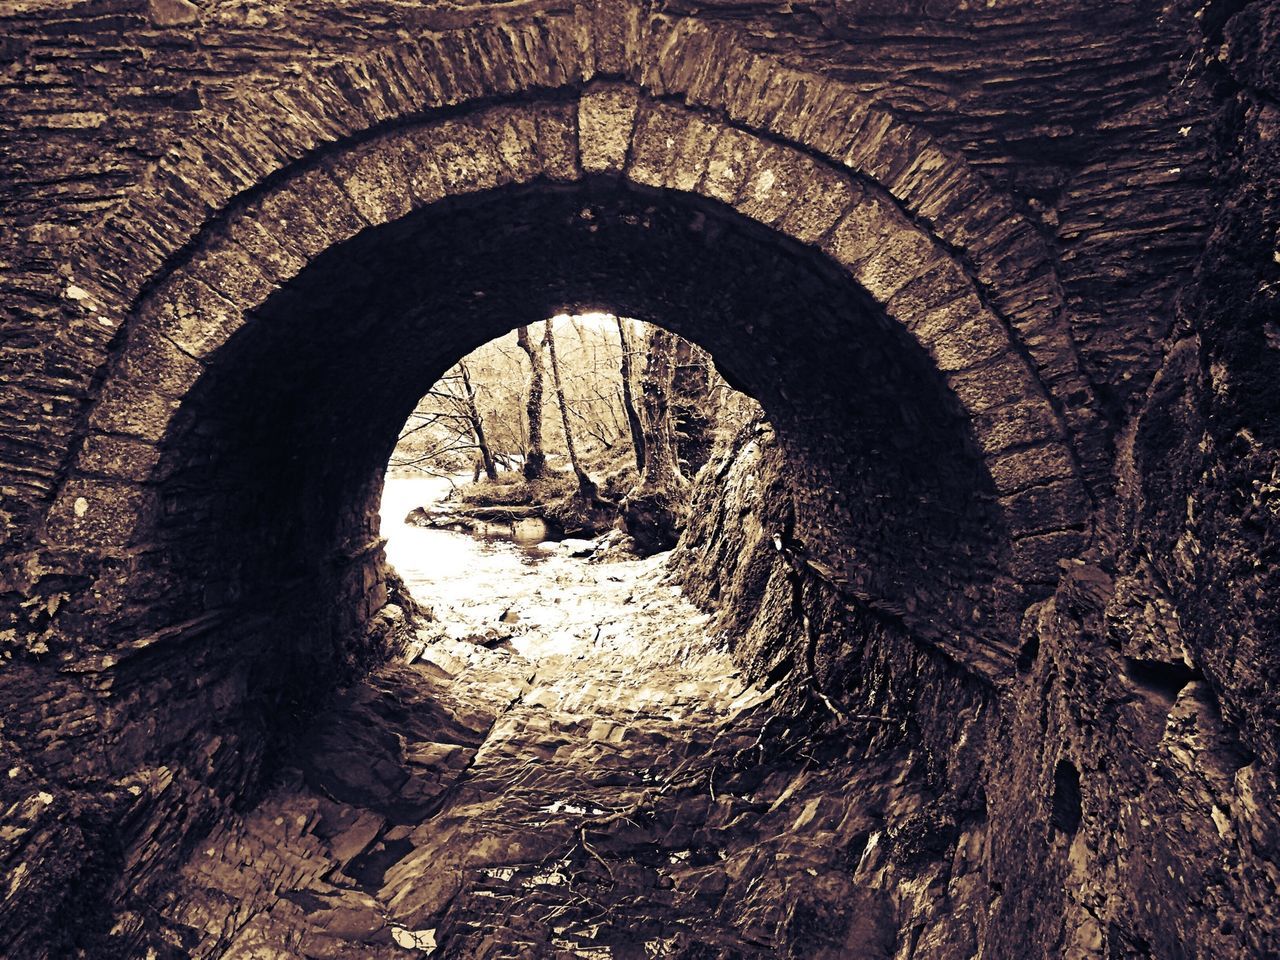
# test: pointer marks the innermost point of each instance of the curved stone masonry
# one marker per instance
(144, 603)
(188, 315)
(1074, 166)
(688, 59)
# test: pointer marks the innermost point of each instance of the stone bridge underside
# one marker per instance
(1012, 335)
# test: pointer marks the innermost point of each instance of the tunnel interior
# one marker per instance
(270, 479)
(259, 551)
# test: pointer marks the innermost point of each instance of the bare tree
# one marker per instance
(692, 411)
(586, 486)
(628, 401)
(655, 510)
(535, 459)
(430, 438)
(477, 426)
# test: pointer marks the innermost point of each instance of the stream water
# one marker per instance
(540, 599)
(444, 565)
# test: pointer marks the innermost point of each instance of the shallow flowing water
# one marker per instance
(543, 601)
(440, 560)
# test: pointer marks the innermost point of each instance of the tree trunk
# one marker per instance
(654, 512)
(586, 485)
(628, 400)
(535, 459)
(691, 409)
(477, 428)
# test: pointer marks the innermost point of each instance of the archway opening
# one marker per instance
(303, 408)
(874, 482)
(244, 529)
(576, 442)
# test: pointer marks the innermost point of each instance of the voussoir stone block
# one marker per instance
(269, 252)
(1035, 558)
(732, 158)
(606, 118)
(858, 235)
(1052, 506)
(426, 183)
(330, 204)
(232, 271)
(658, 129)
(1022, 424)
(669, 147)
(191, 314)
(310, 212)
(777, 180)
(133, 410)
(825, 199)
(515, 133)
(882, 248)
(152, 358)
(375, 179)
(944, 282)
(1018, 469)
(558, 140)
(961, 334)
(903, 254)
(117, 457)
(467, 156)
(1003, 380)
(100, 514)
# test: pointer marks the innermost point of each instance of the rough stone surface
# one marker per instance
(628, 794)
(1107, 765)
(1002, 275)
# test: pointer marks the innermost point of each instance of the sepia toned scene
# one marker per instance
(639, 480)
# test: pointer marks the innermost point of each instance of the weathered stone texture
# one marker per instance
(1003, 277)
(1156, 845)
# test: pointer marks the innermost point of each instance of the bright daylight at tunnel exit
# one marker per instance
(639, 480)
(525, 495)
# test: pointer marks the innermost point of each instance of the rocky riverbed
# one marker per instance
(490, 586)
(591, 783)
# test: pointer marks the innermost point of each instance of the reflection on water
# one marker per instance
(525, 533)
(445, 566)
(546, 603)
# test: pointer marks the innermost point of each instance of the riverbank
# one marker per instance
(539, 597)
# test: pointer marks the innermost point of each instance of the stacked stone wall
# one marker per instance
(1003, 278)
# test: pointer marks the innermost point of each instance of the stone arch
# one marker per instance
(613, 130)
(708, 66)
